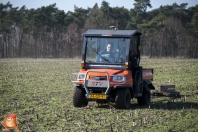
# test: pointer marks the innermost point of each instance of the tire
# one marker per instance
(123, 99)
(145, 99)
(79, 99)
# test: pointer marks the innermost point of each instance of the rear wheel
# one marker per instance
(79, 99)
(145, 98)
(123, 99)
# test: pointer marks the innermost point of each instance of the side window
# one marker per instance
(133, 45)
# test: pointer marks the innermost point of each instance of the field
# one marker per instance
(40, 93)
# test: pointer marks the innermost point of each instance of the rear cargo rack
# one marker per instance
(167, 91)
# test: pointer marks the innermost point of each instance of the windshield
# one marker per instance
(106, 50)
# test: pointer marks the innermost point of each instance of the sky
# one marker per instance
(69, 5)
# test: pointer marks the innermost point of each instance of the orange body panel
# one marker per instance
(147, 74)
(111, 73)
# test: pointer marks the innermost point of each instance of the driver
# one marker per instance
(105, 55)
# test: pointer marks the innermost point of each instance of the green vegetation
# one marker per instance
(40, 93)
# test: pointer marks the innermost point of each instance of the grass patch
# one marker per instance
(40, 93)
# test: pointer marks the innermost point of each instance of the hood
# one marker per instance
(100, 72)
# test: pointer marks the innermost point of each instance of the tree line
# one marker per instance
(168, 31)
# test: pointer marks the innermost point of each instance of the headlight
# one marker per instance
(119, 78)
(81, 76)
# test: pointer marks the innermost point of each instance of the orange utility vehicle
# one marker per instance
(110, 69)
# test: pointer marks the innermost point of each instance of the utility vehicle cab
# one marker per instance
(110, 69)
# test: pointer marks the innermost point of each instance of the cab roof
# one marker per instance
(112, 33)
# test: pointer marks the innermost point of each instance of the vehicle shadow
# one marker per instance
(173, 105)
(156, 105)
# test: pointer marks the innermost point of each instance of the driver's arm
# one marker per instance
(98, 58)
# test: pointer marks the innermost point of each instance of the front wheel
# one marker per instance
(123, 99)
(79, 99)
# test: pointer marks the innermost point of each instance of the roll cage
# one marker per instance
(96, 41)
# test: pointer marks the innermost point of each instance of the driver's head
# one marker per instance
(108, 47)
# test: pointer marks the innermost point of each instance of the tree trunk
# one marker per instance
(20, 44)
(151, 49)
(35, 48)
(2, 49)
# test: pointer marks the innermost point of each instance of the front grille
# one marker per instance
(97, 90)
(98, 77)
